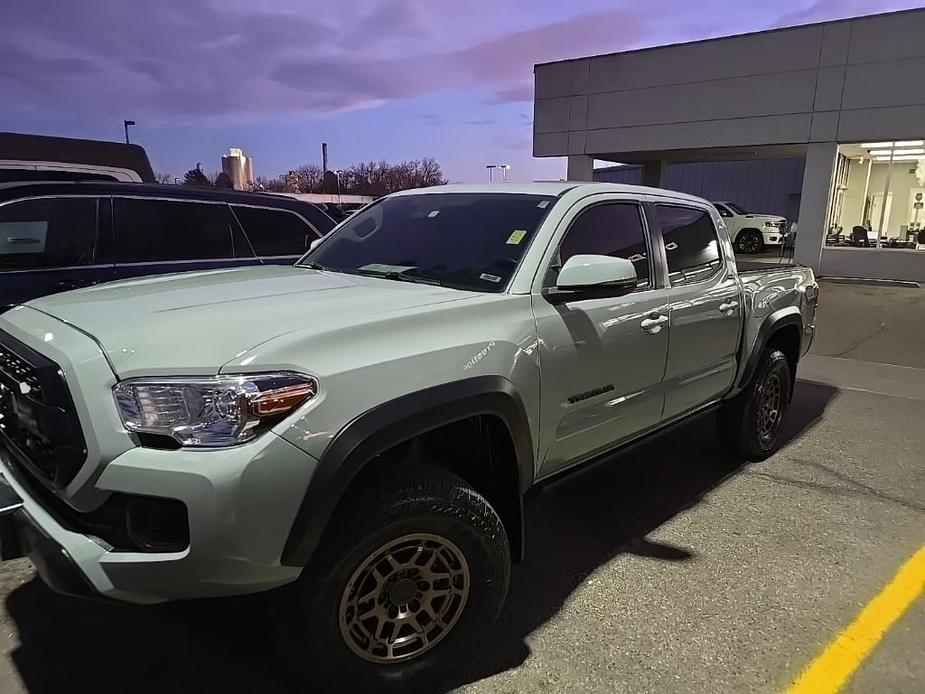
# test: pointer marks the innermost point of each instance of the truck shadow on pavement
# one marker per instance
(225, 645)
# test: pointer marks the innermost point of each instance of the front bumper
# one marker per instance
(20, 536)
(772, 236)
(241, 504)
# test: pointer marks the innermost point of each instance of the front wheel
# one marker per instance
(750, 424)
(749, 241)
(406, 582)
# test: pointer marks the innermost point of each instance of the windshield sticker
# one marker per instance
(543, 204)
(379, 267)
(489, 278)
(433, 213)
(516, 237)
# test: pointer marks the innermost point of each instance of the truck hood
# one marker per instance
(193, 323)
(769, 217)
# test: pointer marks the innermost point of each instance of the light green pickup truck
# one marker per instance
(364, 426)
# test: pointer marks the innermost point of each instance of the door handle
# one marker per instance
(653, 325)
(727, 307)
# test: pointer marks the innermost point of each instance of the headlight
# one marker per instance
(217, 411)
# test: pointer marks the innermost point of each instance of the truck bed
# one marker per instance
(748, 266)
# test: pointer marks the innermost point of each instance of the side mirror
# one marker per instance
(314, 244)
(592, 277)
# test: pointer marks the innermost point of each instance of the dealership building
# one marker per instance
(823, 123)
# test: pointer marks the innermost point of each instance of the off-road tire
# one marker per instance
(744, 424)
(429, 501)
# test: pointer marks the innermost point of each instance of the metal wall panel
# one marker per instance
(769, 186)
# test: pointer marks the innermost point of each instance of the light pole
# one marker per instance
(337, 174)
(504, 169)
(491, 172)
(125, 125)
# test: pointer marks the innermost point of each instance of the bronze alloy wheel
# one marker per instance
(404, 598)
(769, 407)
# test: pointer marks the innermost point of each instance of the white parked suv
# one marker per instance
(750, 233)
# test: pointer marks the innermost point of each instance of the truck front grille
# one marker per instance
(38, 423)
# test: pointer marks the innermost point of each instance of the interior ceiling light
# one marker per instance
(900, 143)
(895, 152)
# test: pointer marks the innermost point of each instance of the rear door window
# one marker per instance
(691, 244)
(48, 233)
(275, 232)
(151, 230)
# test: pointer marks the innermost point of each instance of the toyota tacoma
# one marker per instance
(362, 427)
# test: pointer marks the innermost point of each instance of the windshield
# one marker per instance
(471, 241)
(735, 208)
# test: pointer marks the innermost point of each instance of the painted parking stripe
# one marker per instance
(848, 649)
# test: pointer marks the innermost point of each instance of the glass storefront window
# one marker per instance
(878, 196)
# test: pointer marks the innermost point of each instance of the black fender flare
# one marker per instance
(393, 422)
(773, 323)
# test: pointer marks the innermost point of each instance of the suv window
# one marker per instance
(317, 217)
(470, 241)
(613, 229)
(47, 233)
(691, 244)
(164, 230)
(722, 209)
(275, 232)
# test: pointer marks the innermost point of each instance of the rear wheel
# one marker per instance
(749, 241)
(406, 581)
(750, 423)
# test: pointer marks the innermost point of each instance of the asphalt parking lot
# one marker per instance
(670, 569)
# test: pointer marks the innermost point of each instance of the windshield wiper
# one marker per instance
(399, 277)
(313, 266)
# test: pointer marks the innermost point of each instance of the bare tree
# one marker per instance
(162, 177)
(271, 185)
(366, 178)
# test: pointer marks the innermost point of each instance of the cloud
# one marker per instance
(481, 121)
(826, 10)
(431, 119)
(521, 92)
(198, 59)
(393, 19)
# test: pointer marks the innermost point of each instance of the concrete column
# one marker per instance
(580, 168)
(817, 187)
(653, 172)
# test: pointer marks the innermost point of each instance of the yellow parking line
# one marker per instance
(847, 651)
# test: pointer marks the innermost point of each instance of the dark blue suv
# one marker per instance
(63, 235)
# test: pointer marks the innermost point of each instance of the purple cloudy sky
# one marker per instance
(374, 78)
